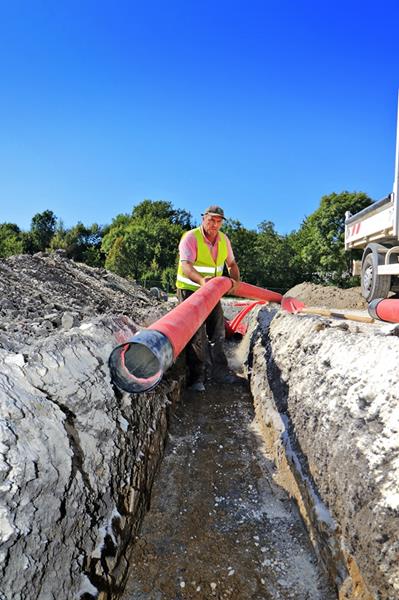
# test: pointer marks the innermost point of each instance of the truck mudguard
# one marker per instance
(376, 250)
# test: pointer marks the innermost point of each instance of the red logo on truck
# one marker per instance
(354, 229)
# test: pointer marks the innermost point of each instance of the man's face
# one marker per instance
(212, 224)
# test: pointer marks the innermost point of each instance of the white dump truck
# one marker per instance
(376, 229)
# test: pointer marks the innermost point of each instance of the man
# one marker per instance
(203, 252)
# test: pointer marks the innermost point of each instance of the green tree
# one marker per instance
(320, 240)
(265, 257)
(11, 240)
(243, 242)
(161, 209)
(144, 245)
(42, 230)
(82, 244)
(127, 249)
(168, 277)
(275, 259)
(117, 258)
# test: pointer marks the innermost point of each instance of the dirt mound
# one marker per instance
(328, 296)
(45, 292)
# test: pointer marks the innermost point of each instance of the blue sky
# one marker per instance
(260, 106)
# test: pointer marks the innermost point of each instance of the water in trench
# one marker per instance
(219, 527)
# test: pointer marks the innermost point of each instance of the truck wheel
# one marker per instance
(374, 285)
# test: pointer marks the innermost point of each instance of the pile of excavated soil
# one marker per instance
(43, 293)
(328, 296)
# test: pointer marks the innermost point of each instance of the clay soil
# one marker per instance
(328, 296)
(218, 525)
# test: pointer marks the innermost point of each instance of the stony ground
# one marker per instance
(44, 293)
(218, 526)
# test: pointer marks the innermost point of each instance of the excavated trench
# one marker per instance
(287, 487)
(219, 526)
(311, 438)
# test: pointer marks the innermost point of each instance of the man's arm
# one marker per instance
(232, 266)
(234, 271)
(190, 272)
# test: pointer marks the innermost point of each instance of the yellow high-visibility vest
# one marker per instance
(204, 262)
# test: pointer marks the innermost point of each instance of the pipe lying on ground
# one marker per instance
(384, 310)
(236, 325)
(138, 364)
(246, 290)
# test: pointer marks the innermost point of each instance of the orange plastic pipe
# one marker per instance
(180, 324)
(246, 290)
(138, 364)
(384, 310)
(235, 326)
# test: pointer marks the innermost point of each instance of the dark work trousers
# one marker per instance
(206, 346)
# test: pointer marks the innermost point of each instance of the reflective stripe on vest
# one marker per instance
(204, 262)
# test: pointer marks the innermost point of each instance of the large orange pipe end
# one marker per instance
(384, 310)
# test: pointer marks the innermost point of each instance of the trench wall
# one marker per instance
(327, 394)
(77, 461)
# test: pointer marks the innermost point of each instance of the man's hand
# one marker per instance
(190, 272)
(205, 280)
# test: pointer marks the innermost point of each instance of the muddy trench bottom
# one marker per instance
(218, 525)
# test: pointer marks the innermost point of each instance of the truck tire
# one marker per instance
(374, 285)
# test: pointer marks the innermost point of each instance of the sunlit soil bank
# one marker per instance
(327, 395)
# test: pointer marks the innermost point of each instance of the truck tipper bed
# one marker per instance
(376, 230)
